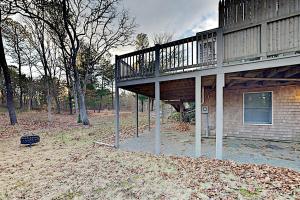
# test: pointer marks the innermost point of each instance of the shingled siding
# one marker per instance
(286, 114)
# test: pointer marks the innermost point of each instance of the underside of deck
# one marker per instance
(183, 90)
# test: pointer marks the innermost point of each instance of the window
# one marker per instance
(258, 108)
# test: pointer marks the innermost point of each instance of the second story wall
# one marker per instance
(259, 28)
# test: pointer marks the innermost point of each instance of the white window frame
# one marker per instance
(253, 124)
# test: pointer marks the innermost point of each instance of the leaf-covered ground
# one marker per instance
(68, 165)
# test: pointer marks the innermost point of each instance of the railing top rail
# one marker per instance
(178, 42)
(214, 30)
(134, 53)
(169, 44)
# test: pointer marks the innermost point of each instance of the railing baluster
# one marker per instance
(169, 58)
(131, 67)
(187, 53)
(207, 48)
(149, 63)
(182, 55)
(123, 66)
(126, 67)
(166, 60)
(152, 62)
(178, 55)
(192, 52)
(137, 57)
(202, 50)
(162, 61)
(174, 56)
(197, 49)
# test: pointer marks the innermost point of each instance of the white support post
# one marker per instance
(117, 105)
(157, 100)
(117, 118)
(219, 116)
(198, 116)
(137, 114)
(149, 114)
(157, 118)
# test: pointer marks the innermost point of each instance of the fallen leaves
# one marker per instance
(182, 127)
(66, 165)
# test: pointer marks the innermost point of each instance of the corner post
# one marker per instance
(220, 83)
(149, 114)
(137, 114)
(117, 105)
(219, 116)
(157, 101)
(198, 117)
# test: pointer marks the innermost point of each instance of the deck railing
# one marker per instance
(193, 53)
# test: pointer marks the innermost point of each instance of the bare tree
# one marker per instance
(161, 38)
(15, 35)
(5, 10)
(99, 21)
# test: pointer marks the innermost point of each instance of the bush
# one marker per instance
(175, 116)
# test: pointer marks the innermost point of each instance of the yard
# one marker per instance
(68, 165)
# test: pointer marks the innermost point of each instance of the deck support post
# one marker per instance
(149, 114)
(181, 110)
(157, 100)
(219, 116)
(198, 119)
(157, 118)
(117, 108)
(137, 114)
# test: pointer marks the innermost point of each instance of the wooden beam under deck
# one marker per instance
(264, 79)
(184, 89)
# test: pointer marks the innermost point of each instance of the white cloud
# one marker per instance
(182, 18)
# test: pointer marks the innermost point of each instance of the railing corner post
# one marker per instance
(220, 47)
(157, 60)
(116, 68)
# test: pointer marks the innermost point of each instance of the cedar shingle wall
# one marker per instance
(286, 114)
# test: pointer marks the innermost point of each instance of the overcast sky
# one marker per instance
(182, 18)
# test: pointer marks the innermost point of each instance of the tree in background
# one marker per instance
(15, 35)
(141, 41)
(5, 11)
(161, 38)
(96, 20)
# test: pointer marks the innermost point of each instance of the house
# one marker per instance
(244, 75)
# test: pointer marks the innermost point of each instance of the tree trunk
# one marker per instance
(2, 96)
(152, 104)
(69, 91)
(30, 88)
(142, 107)
(100, 105)
(82, 106)
(20, 79)
(58, 106)
(101, 97)
(8, 86)
(75, 99)
(68, 77)
(49, 99)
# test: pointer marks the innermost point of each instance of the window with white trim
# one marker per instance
(258, 108)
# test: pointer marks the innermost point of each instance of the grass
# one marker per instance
(250, 194)
(67, 165)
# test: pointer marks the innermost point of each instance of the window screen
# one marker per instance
(258, 108)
